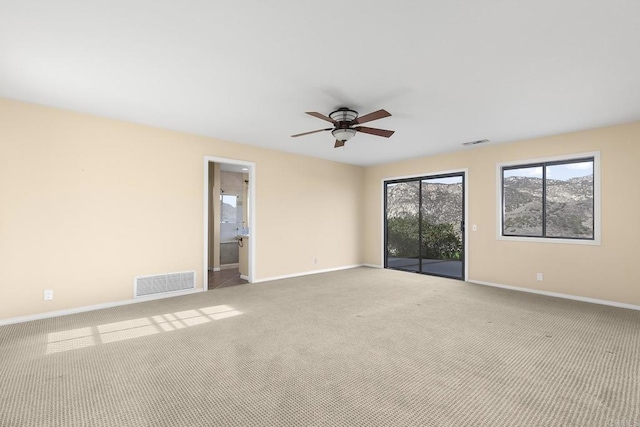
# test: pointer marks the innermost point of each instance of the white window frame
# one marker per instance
(597, 220)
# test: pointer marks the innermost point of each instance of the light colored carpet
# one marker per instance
(359, 347)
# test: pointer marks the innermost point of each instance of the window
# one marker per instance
(228, 208)
(552, 199)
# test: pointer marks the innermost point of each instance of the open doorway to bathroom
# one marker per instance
(229, 216)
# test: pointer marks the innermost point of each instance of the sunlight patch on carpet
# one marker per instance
(74, 339)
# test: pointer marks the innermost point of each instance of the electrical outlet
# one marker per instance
(315, 260)
(48, 295)
(539, 277)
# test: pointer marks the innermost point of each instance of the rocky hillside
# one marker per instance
(442, 203)
(569, 206)
(228, 212)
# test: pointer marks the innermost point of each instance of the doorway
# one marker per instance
(424, 225)
(229, 220)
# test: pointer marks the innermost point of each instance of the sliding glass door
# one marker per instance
(442, 217)
(403, 225)
(424, 225)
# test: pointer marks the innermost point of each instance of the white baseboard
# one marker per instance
(243, 277)
(214, 269)
(306, 273)
(49, 314)
(372, 265)
(559, 295)
(228, 266)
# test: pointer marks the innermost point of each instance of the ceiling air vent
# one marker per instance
(480, 141)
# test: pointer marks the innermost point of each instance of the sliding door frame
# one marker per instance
(428, 175)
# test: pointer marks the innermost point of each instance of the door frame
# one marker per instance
(383, 220)
(252, 214)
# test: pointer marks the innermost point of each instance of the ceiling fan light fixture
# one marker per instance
(346, 123)
(343, 115)
(343, 134)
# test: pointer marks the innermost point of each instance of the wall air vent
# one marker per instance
(480, 141)
(163, 283)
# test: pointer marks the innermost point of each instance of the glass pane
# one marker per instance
(522, 204)
(402, 226)
(569, 207)
(442, 216)
(229, 208)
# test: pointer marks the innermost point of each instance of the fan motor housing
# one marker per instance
(343, 116)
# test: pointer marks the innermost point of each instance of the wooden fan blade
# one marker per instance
(338, 144)
(380, 114)
(309, 133)
(320, 116)
(374, 131)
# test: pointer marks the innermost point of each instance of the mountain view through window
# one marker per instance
(552, 199)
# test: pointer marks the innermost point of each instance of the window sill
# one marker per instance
(594, 242)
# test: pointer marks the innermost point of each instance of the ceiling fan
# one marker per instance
(345, 120)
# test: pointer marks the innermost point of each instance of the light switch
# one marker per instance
(474, 227)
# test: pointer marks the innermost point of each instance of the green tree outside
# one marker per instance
(440, 240)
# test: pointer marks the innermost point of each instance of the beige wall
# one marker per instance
(87, 204)
(214, 216)
(605, 272)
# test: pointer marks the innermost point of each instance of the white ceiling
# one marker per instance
(449, 71)
(228, 167)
